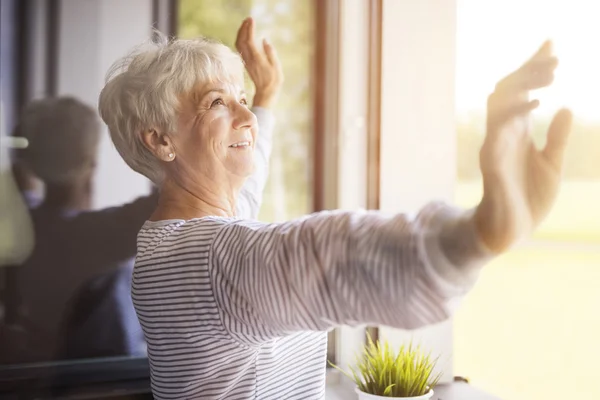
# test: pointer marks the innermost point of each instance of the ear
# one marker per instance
(159, 144)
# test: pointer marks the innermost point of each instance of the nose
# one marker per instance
(243, 117)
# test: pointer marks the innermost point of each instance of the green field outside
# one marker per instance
(531, 327)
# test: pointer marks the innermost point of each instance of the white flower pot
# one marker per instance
(366, 396)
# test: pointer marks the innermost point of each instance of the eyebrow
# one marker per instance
(197, 97)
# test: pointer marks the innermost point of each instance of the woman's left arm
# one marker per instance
(265, 71)
(250, 197)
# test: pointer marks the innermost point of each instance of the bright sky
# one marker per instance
(497, 36)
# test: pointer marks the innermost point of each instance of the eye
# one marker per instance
(217, 102)
(244, 102)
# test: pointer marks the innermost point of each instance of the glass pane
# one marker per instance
(529, 329)
(65, 256)
(289, 25)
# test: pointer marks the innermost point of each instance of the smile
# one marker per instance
(241, 144)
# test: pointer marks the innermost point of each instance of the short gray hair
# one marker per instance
(63, 135)
(143, 91)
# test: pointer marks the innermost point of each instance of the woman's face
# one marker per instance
(216, 136)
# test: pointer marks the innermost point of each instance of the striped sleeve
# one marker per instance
(250, 197)
(344, 268)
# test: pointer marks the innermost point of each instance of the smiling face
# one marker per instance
(216, 136)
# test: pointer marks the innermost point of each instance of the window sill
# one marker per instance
(341, 388)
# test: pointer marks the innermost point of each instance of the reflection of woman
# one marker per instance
(72, 243)
(236, 308)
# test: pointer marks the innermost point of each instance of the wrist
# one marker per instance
(495, 229)
(452, 245)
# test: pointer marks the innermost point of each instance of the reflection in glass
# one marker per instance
(71, 298)
(16, 229)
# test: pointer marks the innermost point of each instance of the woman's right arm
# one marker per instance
(336, 268)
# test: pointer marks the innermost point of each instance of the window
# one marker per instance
(290, 26)
(417, 129)
(104, 30)
(66, 317)
(529, 329)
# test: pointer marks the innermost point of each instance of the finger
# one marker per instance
(539, 80)
(530, 76)
(518, 110)
(527, 82)
(247, 46)
(542, 62)
(545, 50)
(502, 110)
(242, 34)
(543, 65)
(251, 30)
(271, 53)
(558, 135)
(495, 122)
(522, 109)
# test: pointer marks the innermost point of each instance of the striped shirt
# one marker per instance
(233, 308)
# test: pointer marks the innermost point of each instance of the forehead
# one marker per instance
(231, 87)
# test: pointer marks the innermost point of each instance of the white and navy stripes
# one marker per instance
(233, 308)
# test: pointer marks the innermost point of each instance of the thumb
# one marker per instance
(558, 134)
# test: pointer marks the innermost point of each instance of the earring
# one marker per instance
(171, 155)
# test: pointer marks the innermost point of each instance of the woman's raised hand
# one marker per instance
(520, 181)
(262, 64)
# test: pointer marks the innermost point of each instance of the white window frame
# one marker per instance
(417, 131)
(344, 180)
(418, 134)
(352, 141)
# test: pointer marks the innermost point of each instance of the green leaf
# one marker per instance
(388, 390)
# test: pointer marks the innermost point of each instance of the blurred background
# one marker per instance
(538, 301)
(528, 330)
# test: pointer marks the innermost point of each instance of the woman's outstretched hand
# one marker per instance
(520, 181)
(262, 65)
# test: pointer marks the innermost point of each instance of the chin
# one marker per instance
(244, 171)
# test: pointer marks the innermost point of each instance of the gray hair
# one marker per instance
(143, 91)
(63, 135)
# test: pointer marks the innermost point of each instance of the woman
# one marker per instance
(238, 309)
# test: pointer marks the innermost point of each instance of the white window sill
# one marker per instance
(341, 388)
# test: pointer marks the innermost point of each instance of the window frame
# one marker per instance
(424, 33)
(40, 36)
(346, 126)
(380, 174)
(354, 133)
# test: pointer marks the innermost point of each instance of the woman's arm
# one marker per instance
(250, 197)
(265, 70)
(347, 268)
(336, 268)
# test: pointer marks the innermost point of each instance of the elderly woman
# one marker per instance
(234, 308)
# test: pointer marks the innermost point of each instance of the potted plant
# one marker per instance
(381, 374)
